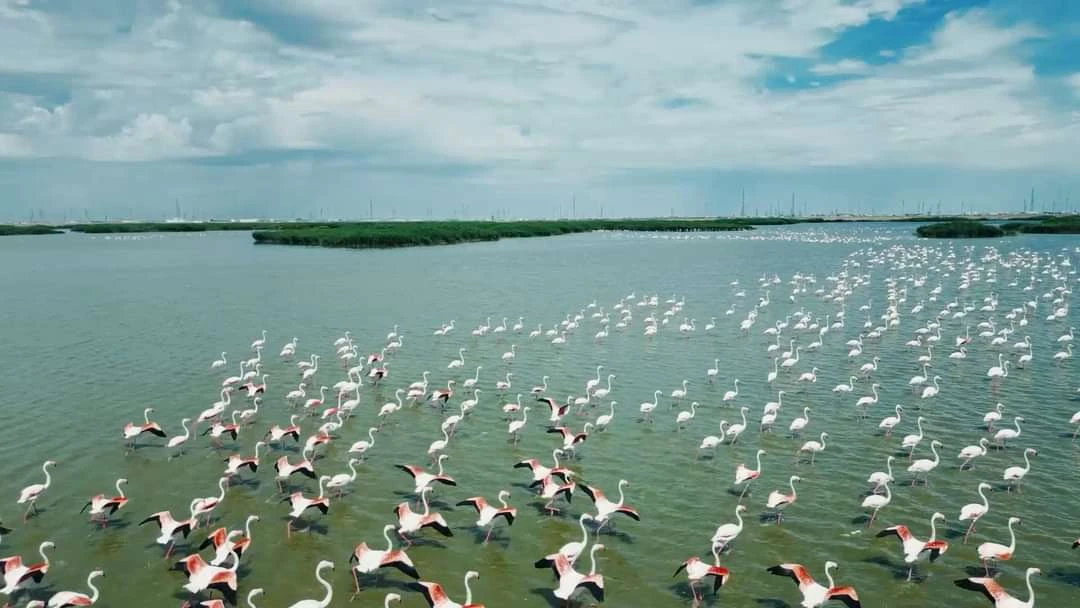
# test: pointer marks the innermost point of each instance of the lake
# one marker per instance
(98, 327)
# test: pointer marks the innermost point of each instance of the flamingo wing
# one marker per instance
(902, 532)
(797, 572)
(10, 563)
(630, 512)
(561, 430)
(846, 595)
(594, 494)
(936, 548)
(437, 523)
(987, 586)
(225, 583)
(433, 593)
(410, 469)
(595, 585)
(401, 561)
(720, 576)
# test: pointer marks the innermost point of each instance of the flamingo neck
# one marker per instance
(120, 489)
(758, 465)
(48, 477)
(791, 484)
(986, 501)
(321, 493)
(329, 590)
(1031, 592)
(468, 591)
(93, 589)
(592, 560)
(1012, 538)
(389, 543)
(828, 576)
(621, 497)
(41, 552)
(247, 528)
(933, 529)
(424, 500)
(584, 532)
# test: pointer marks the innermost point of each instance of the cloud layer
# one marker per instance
(567, 93)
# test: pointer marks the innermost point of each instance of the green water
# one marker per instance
(96, 328)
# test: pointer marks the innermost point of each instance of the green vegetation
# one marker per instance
(1061, 224)
(11, 230)
(131, 227)
(962, 229)
(405, 234)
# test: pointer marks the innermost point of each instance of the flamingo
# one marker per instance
(647, 407)
(571, 580)
(604, 420)
(972, 452)
(713, 371)
(235, 462)
(1004, 435)
(997, 594)
(469, 382)
(550, 490)
(539, 471)
(915, 548)
(684, 417)
(799, 423)
(409, 521)
(132, 431)
(997, 552)
(16, 574)
(323, 603)
(221, 540)
(204, 506)
(1015, 475)
(778, 501)
(605, 508)
(889, 422)
(727, 533)
(106, 506)
(876, 502)
(170, 526)
(679, 393)
(341, 480)
(993, 416)
(540, 390)
(594, 382)
(814, 447)
(814, 593)
(64, 599)
(869, 400)
(459, 362)
(424, 479)
(277, 433)
(31, 493)
(284, 469)
(515, 427)
(746, 475)
(880, 478)
(488, 513)
(219, 363)
(737, 429)
(974, 511)
(925, 465)
(361, 447)
(436, 597)
(845, 388)
(697, 570)
(731, 395)
(301, 503)
(368, 560)
(912, 441)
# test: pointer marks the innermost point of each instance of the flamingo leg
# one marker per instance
(168, 549)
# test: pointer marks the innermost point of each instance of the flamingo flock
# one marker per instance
(916, 298)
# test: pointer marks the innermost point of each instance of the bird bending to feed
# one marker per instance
(698, 570)
(915, 548)
(814, 593)
(997, 594)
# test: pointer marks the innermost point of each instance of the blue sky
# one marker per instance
(477, 107)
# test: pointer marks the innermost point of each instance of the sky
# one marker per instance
(535, 108)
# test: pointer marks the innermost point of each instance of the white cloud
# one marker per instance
(545, 87)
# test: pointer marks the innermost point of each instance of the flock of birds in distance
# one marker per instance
(958, 325)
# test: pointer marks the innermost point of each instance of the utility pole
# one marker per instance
(792, 204)
(742, 210)
(1033, 198)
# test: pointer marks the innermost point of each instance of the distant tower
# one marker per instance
(742, 211)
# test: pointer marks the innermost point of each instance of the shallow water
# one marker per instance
(97, 327)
